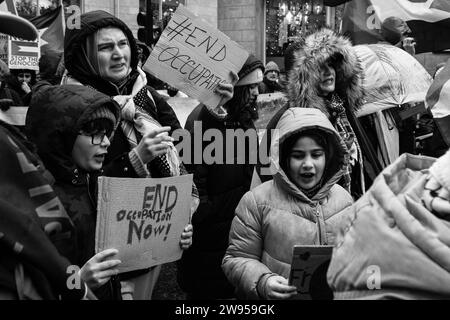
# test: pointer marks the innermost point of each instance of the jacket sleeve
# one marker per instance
(241, 263)
(164, 112)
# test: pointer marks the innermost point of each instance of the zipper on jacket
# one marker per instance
(318, 223)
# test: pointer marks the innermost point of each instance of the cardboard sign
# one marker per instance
(14, 115)
(195, 57)
(143, 219)
(23, 54)
(309, 272)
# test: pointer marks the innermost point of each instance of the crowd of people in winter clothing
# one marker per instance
(94, 112)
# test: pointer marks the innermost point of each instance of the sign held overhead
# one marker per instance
(195, 57)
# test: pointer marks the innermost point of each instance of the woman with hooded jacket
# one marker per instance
(327, 75)
(300, 206)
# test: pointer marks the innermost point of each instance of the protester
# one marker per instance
(395, 244)
(71, 127)
(34, 244)
(271, 79)
(22, 81)
(300, 206)
(35, 229)
(103, 54)
(221, 186)
(396, 32)
(326, 75)
(8, 97)
(48, 66)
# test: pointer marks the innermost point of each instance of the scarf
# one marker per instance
(340, 121)
(137, 122)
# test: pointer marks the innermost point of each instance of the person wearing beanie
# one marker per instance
(300, 206)
(271, 80)
(220, 186)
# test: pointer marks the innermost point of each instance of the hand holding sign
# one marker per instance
(277, 287)
(153, 144)
(98, 270)
(186, 237)
(226, 90)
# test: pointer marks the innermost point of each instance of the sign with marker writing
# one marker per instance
(309, 272)
(143, 219)
(195, 57)
(23, 54)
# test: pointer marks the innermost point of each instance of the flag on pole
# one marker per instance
(429, 20)
(51, 28)
(438, 102)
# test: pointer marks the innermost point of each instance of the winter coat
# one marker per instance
(37, 235)
(268, 86)
(220, 187)
(52, 123)
(76, 65)
(277, 215)
(392, 247)
(302, 86)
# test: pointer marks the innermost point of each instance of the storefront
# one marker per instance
(289, 21)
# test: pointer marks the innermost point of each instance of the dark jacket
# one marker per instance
(267, 86)
(220, 186)
(37, 234)
(75, 62)
(302, 84)
(52, 123)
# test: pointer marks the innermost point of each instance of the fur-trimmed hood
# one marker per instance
(303, 78)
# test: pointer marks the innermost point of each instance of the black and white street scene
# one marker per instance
(218, 151)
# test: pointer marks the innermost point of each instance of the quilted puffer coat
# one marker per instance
(277, 215)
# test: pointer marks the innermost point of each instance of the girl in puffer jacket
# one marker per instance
(300, 206)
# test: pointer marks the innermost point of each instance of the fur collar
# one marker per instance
(304, 77)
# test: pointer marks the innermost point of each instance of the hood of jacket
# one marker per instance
(294, 121)
(304, 76)
(75, 39)
(53, 122)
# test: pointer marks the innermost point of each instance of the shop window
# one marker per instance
(289, 21)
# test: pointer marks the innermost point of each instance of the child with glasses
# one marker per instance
(72, 127)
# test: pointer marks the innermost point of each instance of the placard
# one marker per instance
(309, 272)
(195, 57)
(23, 54)
(143, 219)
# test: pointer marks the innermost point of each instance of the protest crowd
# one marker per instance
(242, 213)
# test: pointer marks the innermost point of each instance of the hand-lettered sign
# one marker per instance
(143, 219)
(309, 272)
(195, 57)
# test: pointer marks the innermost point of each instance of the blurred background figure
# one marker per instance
(8, 97)
(395, 31)
(271, 83)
